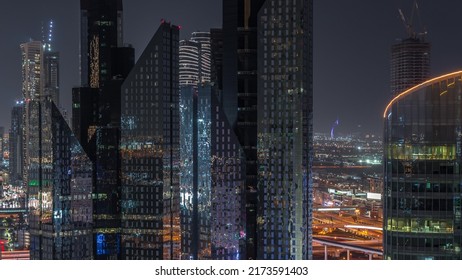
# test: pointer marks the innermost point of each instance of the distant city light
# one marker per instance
(363, 227)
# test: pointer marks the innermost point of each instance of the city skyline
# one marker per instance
(219, 147)
(346, 35)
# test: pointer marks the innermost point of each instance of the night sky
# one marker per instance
(351, 47)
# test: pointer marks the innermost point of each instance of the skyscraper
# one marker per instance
(195, 59)
(105, 63)
(195, 226)
(32, 90)
(250, 39)
(203, 38)
(239, 98)
(32, 65)
(101, 28)
(422, 165)
(16, 145)
(150, 146)
(212, 161)
(285, 132)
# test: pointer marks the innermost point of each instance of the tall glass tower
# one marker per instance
(32, 89)
(423, 171)
(150, 151)
(239, 99)
(266, 64)
(285, 119)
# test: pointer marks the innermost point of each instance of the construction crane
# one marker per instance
(408, 23)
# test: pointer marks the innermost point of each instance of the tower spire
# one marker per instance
(47, 35)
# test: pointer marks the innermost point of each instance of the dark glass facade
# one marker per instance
(240, 98)
(150, 151)
(107, 194)
(16, 143)
(51, 75)
(59, 185)
(85, 116)
(285, 110)
(423, 159)
(216, 58)
(228, 223)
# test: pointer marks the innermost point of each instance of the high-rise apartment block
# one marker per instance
(203, 38)
(190, 63)
(195, 59)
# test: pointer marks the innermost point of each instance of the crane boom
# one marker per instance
(408, 23)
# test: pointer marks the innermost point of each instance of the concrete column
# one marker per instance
(325, 252)
(370, 257)
(348, 254)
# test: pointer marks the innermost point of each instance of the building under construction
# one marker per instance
(410, 58)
